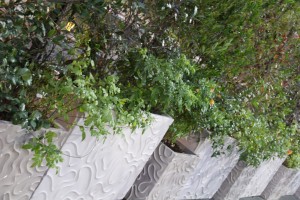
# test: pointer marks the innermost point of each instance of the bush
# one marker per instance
(225, 66)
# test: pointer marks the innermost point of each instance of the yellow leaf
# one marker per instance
(211, 102)
(70, 26)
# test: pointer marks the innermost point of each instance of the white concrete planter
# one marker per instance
(18, 180)
(285, 182)
(246, 181)
(103, 169)
(163, 176)
(172, 175)
(210, 172)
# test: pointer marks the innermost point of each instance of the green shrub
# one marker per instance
(229, 67)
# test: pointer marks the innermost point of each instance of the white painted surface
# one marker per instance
(106, 169)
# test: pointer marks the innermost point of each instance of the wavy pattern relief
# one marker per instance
(285, 182)
(174, 177)
(101, 169)
(18, 179)
(186, 176)
(210, 172)
(152, 171)
(248, 181)
(229, 181)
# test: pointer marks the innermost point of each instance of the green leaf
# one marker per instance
(92, 63)
(25, 74)
(43, 29)
(22, 107)
(27, 146)
(45, 124)
(107, 115)
(33, 124)
(58, 39)
(36, 114)
(49, 136)
(82, 129)
(51, 32)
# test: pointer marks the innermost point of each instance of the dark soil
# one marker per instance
(176, 147)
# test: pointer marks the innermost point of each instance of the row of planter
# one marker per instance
(195, 174)
(139, 165)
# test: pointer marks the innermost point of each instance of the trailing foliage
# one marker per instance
(229, 67)
(45, 76)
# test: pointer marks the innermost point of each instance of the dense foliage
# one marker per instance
(227, 66)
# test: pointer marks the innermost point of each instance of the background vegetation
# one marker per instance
(229, 66)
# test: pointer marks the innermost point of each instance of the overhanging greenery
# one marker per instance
(228, 66)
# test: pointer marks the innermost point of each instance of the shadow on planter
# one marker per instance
(192, 174)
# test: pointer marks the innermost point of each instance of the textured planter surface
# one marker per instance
(17, 179)
(285, 182)
(151, 173)
(171, 175)
(210, 172)
(94, 170)
(174, 177)
(164, 175)
(247, 181)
